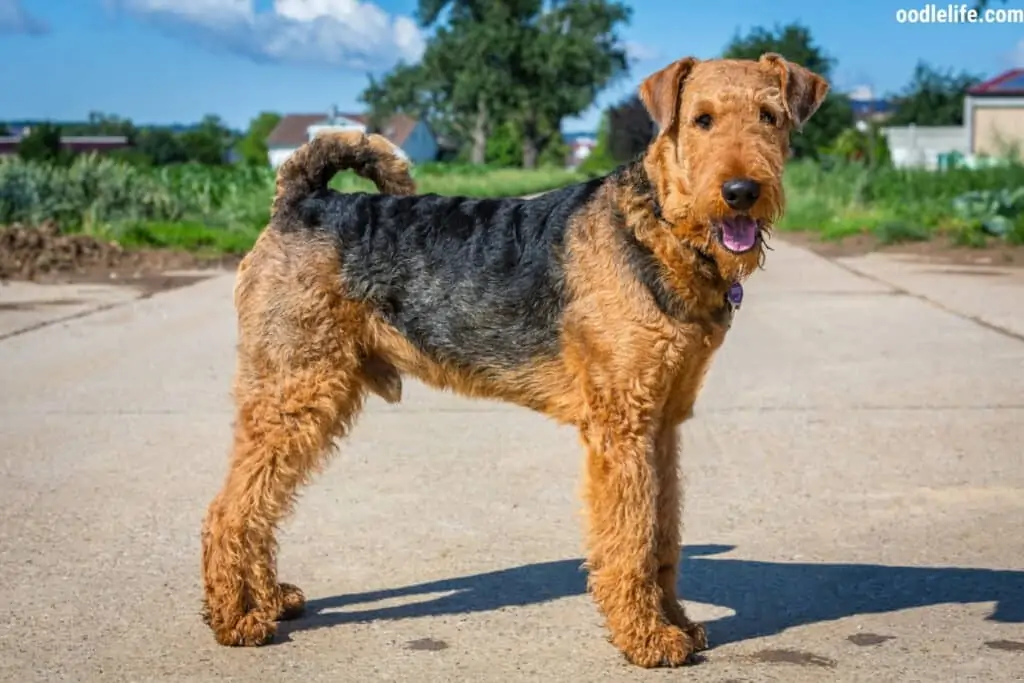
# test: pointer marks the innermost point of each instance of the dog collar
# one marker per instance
(734, 296)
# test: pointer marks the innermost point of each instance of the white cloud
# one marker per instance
(14, 19)
(347, 33)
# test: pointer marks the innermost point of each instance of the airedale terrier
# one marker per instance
(599, 305)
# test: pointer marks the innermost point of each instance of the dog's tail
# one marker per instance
(313, 165)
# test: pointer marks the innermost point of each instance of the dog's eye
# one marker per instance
(703, 121)
(768, 117)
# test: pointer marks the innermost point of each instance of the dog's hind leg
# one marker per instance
(297, 388)
(282, 436)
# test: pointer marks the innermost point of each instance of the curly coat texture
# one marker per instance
(599, 305)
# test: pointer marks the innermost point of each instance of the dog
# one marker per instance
(599, 305)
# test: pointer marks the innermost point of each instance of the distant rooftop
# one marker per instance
(1007, 84)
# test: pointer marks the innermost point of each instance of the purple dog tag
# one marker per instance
(735, 294)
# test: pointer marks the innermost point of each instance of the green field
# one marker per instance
(222, 209)
(203, 208)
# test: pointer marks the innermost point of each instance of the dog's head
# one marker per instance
(722, 142)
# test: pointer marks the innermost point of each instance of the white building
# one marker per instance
(924, 146)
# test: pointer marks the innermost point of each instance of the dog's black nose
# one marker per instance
(740, 193)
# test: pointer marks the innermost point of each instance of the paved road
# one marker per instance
(855, 502)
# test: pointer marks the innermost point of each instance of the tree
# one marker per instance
(565, 56)
(793, 41)
(161, 147)
(252, 147)
(99, 123)
(933, 98)
(468, 64)
(461, 84)
(459, 107)
(407, 89)
(208, 142)
(530, 62)
(43, 143)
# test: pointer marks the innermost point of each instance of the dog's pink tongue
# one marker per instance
(739, 233)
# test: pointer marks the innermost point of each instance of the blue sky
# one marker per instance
(165, 61)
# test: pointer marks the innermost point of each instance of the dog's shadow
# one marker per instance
(766, 597)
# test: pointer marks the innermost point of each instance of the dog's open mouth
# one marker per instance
(738, 233)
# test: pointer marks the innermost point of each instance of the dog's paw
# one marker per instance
(666, 646)
(698, 634)
(252, 630)
(293, 602)
(676, 615)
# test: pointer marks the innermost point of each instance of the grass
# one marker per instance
(195, 237)
(197, 208)
(970, 206)
(472, 181)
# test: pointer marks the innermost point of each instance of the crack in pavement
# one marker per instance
(897, 289)
(65, 318)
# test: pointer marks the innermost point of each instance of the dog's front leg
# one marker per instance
(621, 492)
(668, 532)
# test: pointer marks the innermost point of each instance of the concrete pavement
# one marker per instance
(854, 506)
(28, 306)
(989, 295)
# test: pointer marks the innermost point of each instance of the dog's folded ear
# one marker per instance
(660, 92)
(803, 90)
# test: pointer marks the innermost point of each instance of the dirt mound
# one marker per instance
(937, 250)
(45, 253)
(26, 252)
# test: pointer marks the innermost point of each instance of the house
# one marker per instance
(412, 138)
(79, 144)
(994, 114)
(580, 146)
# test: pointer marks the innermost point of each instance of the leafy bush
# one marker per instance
(505, 146)
(970, 204)
(868, 147)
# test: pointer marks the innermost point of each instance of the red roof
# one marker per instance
(1009, 83)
